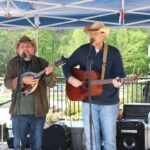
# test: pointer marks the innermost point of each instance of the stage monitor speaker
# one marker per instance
(77, 135)
(130, 135)
(56, 137)
(136, 111)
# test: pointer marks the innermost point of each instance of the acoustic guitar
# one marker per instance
(81, 92)
(28, 89)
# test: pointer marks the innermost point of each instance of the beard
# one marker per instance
(26, 56)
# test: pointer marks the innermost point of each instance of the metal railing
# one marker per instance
(138, 92)
(58, 100)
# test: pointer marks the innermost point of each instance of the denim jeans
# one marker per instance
(104, 119)
(24, 124)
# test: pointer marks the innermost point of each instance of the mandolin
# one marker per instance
(81, 92)
(28, 89)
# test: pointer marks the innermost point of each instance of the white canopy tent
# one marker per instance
(41, 14)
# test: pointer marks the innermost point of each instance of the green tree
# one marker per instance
(7, 48)
(132, 44)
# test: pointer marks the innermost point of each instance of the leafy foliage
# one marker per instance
(132, 43)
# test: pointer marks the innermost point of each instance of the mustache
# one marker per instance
(25, 56)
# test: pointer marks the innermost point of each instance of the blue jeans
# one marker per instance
(104, 118)
(28, 124)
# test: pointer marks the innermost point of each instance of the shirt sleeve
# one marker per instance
(50, 79)
(117, 68)
(71, 62)
(10, 79)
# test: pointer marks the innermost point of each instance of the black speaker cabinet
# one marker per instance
(56, 137)
(130, 135)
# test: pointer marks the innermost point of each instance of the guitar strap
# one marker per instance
(104, 61)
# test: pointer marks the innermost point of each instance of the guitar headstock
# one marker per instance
(131, 79)
(134, 79)
(60, 61)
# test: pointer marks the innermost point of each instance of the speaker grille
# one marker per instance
(130, 135)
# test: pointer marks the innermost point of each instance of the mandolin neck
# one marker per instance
(40, 73)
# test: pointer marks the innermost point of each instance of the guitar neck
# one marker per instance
(95, 82)
(109, 81)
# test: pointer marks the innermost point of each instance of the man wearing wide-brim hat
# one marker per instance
(97, 27)
(29, 107)
(105, 60)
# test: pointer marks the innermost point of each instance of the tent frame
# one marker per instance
(12, 16)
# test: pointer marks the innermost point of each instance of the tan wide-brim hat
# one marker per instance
(25, 39)
(97, 26)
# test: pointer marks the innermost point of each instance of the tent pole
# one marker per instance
(123, 13)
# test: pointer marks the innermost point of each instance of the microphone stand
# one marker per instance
(89, 64)
(17, 98)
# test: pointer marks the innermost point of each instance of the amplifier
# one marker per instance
(130, 135)
(136, 111)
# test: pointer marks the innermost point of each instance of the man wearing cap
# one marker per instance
(104, 107)
(28, 112)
